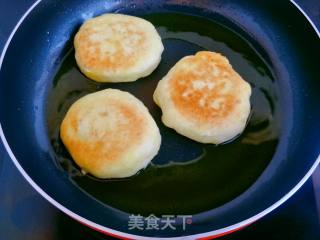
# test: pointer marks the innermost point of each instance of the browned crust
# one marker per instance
(206, 104)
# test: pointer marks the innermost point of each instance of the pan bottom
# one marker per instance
(186, 177)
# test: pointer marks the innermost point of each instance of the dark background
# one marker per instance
(24, 214)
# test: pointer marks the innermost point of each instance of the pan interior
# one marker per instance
(186, 177)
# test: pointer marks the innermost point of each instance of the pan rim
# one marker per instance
(116, 233)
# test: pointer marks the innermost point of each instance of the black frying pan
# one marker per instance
(221, 188)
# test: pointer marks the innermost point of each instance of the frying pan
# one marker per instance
(272, 44)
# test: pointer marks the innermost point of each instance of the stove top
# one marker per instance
(24, 214)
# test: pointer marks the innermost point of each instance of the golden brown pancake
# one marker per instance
(110, 134)
(117, 48)
(203, 98)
